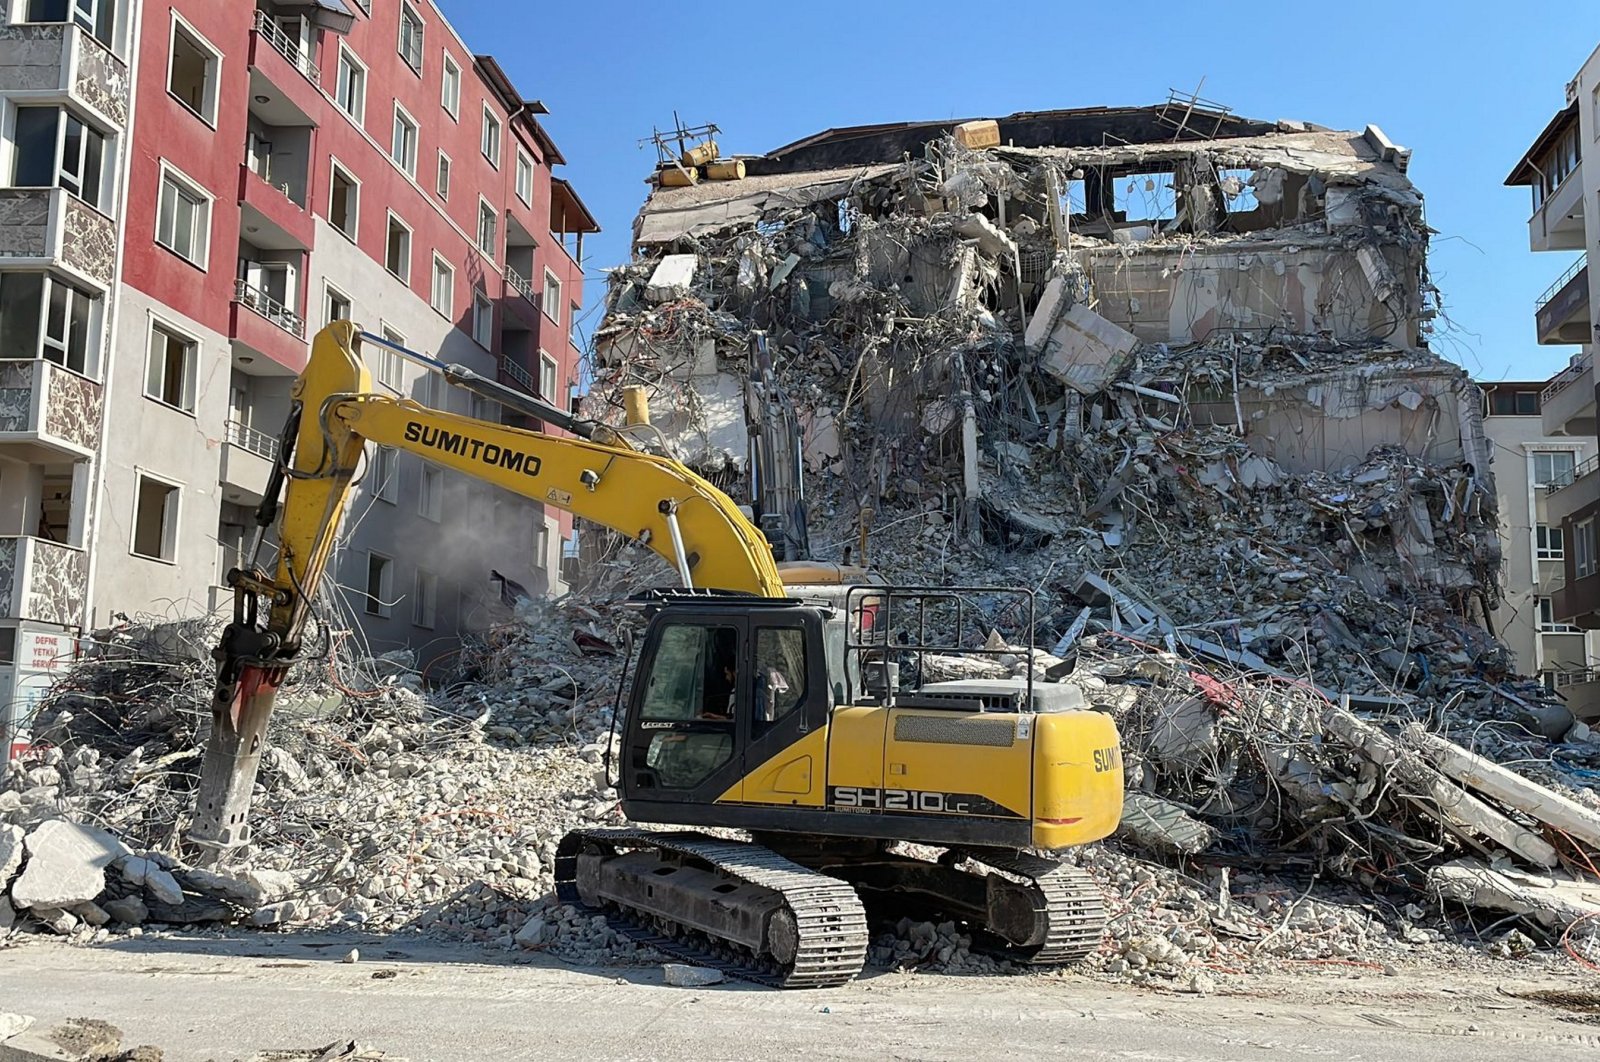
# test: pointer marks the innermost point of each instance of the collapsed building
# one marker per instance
(1041, 339)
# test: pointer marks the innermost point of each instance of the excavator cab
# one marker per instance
(723, 685)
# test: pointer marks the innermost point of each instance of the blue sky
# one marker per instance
(1466, 85)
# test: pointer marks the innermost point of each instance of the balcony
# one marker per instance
(48, 412)
(1567, 403)
(518, 376)
(247, 461)
(47, 227)
(267, 327)
(42, 581)
(1557, 225)
(283, 73)
(270, 217)
(1562, 312)
(55, 58)
(521, 285)
(1578, 490)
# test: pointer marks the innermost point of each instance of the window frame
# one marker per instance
(525, 164)
(47, 347)
(482, 319)
(388, 235)
(450, 101)
(1583, 549)
(330, 292)
(440, 265)
(1549, 455)
(403, 119)
(1549, 542)
(385, 472)
(171, 534)
(487, 214)
(430, 498)
(64, 114)
(337, 169)
(359, 116)
(213, 88)
(425, 591)
(548, 362)
(492, 121)
(442, 175)
(545, 299)
(422, 33)
(191, 369)
(380, 604)
(1547, 605)
(205, 202)
(24, 17)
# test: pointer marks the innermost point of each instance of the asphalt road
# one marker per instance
(210, 999)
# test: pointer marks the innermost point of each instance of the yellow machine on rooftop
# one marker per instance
(761, 701)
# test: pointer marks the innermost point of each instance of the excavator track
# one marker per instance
(824, 926)
(1068, 906)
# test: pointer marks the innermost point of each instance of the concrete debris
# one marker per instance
(65, 866)
(1085, 351)
(10, 852)
(1161, 826)
(680, 976)
(13, 1024)
(1554, 901)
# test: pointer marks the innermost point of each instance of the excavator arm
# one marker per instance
(335, 413)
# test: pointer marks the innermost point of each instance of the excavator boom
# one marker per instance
(653, 500)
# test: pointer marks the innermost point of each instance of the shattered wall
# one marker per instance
(1074, 336)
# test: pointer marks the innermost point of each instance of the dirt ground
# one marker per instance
(221, 998)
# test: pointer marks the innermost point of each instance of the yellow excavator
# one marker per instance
(813, 718)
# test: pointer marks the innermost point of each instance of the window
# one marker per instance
(442, 184)
(1553, 467)
(1548, 543)
(443, 294)
(690, 677)
(572, 327)
(397, 254)
(1583, 555)
(335, 305)
(183, 222)
(1547, 619)
(403, 148)
(155, 519)
(779, 681)
(193, 71)
(169, 373)
(411, 37)
(524, 177)
(450, 87)
(97, 17)
(54, 147)
(382, 473)
(482, 319)
(1505, 403)
(430, 495)
(344, 201)
(380, 584)
(42, 317)
(350, 90)
(490, 144)
(424, 599)
(552, 297)
(488, 227)
(391, 367)
(547, 377)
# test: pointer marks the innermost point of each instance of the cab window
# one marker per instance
(780, 674)
(692, 674)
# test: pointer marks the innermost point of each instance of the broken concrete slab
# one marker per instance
(1508, 787)
(1053, 302)
(1161, 826)
(66, 865)
(13, 1025)
(1453, 807)
(992, 240)
(1555, 900)
(1085, 351)
(673, 278)
(129, 910)
(147, 873)
(75, 1040)
(11, 838)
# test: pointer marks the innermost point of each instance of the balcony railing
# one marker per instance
(1567, 377)
(265, 305)
(519, 374)
(1562, 678)
(1564, 480)
(521, 283)
(287, 46)
(257, 442)
(1560, 282)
